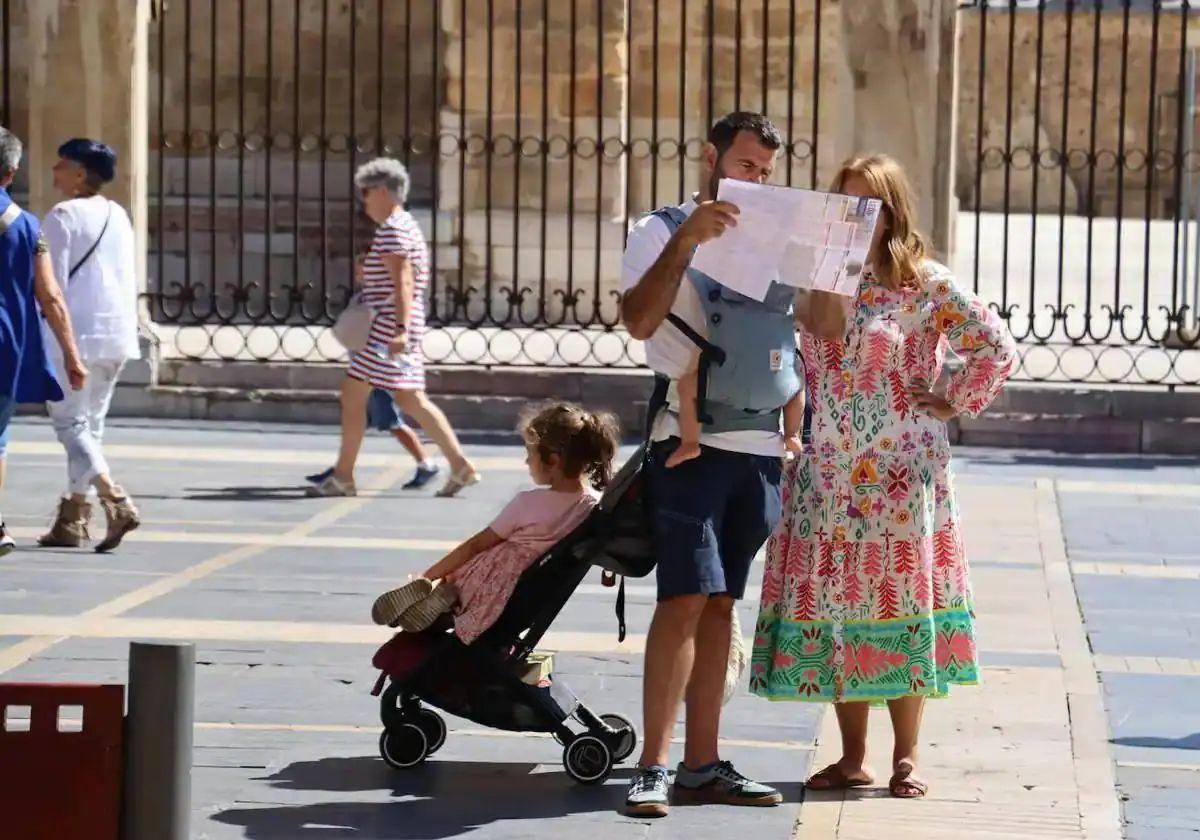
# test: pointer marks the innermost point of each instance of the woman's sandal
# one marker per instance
(904, 785)
(834, 778)
(457, 481)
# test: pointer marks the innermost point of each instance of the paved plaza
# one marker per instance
(1087, 574)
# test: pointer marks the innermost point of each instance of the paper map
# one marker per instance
(802, 238)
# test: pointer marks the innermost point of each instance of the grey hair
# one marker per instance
(384, 172)
(10, 151)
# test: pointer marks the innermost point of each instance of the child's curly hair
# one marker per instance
(584, 441)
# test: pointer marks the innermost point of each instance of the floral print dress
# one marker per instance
(866, 594)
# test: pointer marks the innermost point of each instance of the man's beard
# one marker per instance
(714, 181)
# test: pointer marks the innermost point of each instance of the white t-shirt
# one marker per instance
(668, 351)
(102, 296)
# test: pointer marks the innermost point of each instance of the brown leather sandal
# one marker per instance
(904, 785)
(834, 778)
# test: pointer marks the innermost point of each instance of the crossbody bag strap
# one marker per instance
(75, 268)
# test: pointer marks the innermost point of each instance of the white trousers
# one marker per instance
(79, 423)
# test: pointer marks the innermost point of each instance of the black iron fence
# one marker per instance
(1078, 123)
(534, 131)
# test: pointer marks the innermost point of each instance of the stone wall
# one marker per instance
(1143, 123)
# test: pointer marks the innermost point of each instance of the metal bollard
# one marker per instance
(158, 754)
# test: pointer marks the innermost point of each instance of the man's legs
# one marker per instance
(670, 650)
(706, 688)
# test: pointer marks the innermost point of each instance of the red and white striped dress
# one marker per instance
(400, 234)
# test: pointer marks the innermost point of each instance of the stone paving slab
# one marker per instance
(286, 731)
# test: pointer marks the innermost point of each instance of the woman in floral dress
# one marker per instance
(866, 595)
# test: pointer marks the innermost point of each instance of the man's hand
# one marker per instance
(933, 405)
(398, 345)
(77, 373)
(708, 221)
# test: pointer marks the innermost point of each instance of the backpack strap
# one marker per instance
(9, 217)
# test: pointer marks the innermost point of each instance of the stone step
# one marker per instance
(1063, 419)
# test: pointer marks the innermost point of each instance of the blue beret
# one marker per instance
(94, 156)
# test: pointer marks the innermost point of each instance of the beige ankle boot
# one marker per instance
(70, 528)
(122, 518)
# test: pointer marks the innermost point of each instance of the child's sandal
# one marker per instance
(422, 615)
(389, 606)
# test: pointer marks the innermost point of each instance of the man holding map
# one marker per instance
(714, 512)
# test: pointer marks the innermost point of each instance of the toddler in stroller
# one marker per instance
(481, 669)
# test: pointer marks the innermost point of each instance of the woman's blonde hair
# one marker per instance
(904, 248)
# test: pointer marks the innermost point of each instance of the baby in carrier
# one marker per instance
(566, 449)
(690, 426)
(746, 372)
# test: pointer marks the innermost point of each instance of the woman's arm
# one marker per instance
(978, 337)
(54, 308)
(481, 542)
(823, 314)
(401, 271)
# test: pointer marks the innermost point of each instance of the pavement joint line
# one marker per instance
(1099, 808)
(258, 457)
(1159, 765)
(298, 536)
(1137, 570)
(349, 728)
(86, 622)
(1160, 665)
(1125, 488)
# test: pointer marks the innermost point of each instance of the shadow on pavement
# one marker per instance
(439, 800)
(1188, 742)
(244, 494)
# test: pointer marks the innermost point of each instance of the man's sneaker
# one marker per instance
(720, 783)
(6, 541)
(423, 476)
(317, 478)
(648, 793)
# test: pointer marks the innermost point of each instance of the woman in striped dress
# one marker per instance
(395, 276)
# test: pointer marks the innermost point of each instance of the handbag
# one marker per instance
(736, 665)
(353, 325)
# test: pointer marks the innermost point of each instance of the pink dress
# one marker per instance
(531, 523)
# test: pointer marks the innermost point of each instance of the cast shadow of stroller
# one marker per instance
(441, 799)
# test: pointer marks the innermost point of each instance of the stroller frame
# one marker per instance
(413, 731)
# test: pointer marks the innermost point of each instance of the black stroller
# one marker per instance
(482, 681)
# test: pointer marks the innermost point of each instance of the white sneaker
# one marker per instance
(6, 541)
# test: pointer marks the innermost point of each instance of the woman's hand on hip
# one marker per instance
(398, 345)
(932, 404)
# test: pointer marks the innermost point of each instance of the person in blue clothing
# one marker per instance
(28, 292)
(384, 416)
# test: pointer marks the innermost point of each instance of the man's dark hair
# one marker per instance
(726, 129)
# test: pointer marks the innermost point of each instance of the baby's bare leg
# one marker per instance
(793, 423)
(689, 420)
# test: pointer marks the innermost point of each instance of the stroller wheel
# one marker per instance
(588, 759)
(433, 726)
(403, 747)
(623, 746)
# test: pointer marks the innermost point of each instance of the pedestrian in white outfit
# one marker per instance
(92, 247)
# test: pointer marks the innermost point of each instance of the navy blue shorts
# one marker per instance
(711, 516)
(382, 413)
